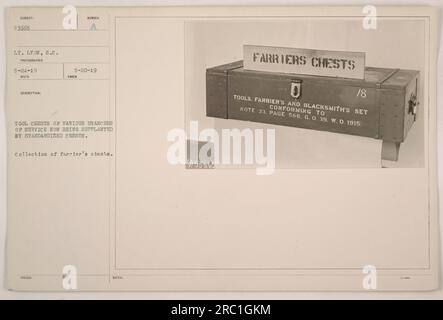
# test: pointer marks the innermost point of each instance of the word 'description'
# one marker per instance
(305, 61)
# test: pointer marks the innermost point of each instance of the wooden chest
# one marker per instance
(382, 106)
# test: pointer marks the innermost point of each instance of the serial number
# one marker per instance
(248, 309)
(22, 28)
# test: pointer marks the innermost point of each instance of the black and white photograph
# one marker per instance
(337, 92)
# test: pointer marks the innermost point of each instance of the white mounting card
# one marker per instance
(113, 185)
